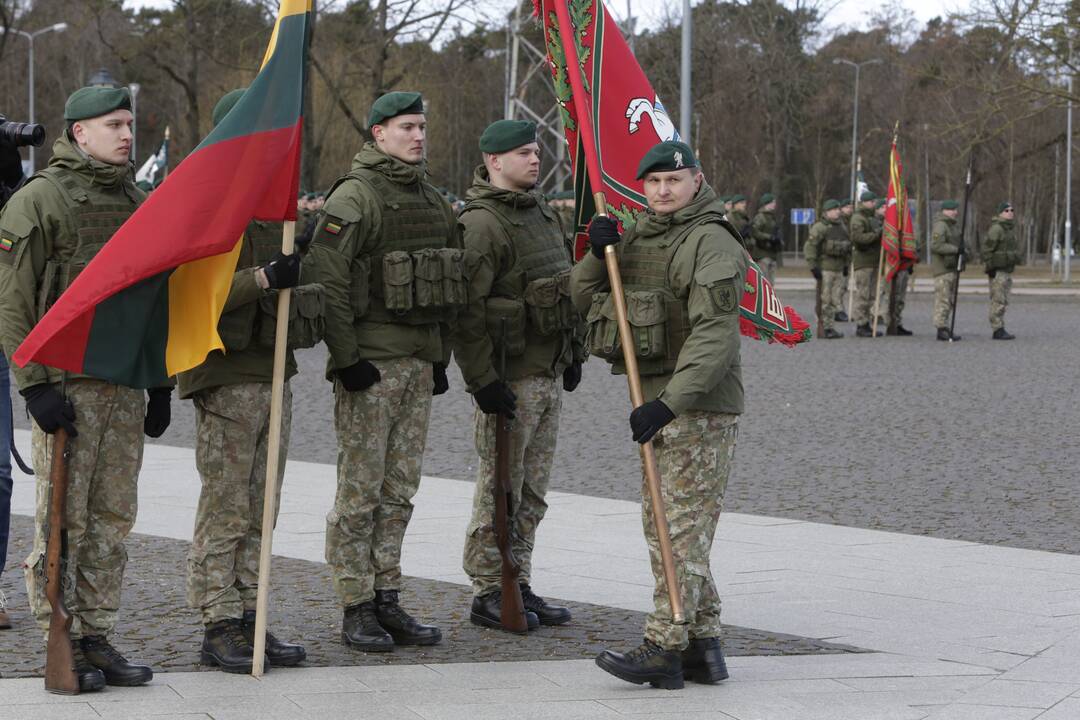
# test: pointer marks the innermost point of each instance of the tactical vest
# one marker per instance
(93, 218)
(536, 290)
(411, 277)
(659, 320)
(257, 321)
(837, 242)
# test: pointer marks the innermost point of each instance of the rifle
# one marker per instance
(960, 255)
(512, 607)
(817, 307)
(60, 676)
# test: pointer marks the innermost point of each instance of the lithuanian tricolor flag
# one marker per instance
(147, 306)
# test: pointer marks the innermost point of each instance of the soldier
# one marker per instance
(840, 290)
(866, 255)
(738, 218)
(766, 246)
(389, 254)
(726, 201)
(231, 393)
(945, 243)
(520, 285)
(1001, 255)
(827, 252)
(683, 258)
(49, 229)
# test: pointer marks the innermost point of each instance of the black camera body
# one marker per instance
(19, 134)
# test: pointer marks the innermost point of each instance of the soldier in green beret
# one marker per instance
(684, 268)
(520, 309)
(231, 394)
(49, 229)
(843, 288)
(866, 256)
(738, 218)
(390, 257)
(1001, 255)
(828, 251)
(945, 243)
(765, 245)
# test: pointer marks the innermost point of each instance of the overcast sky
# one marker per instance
(847, 13)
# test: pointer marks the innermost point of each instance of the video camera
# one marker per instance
(19, 134)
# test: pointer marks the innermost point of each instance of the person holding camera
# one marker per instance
(49, 230)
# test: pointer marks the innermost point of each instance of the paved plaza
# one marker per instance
(900, 542)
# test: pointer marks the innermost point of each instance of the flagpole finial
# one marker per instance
(896, 131)
(166, 132)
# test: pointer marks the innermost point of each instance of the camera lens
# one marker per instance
(23, 134)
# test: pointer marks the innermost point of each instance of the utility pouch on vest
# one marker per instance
(455, 286)
(646, 310)
(398, 281)
(837, 248)
(428, 278)
(549, 305)
(307, 317)
(513, 312)
(237, 327)
(360, 286)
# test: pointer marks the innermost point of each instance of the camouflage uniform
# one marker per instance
(765, 247)
(522, 260)
(55, 224)
(386, 240)
(866, 254)
(828, 249)
(1001, 255)
(944, 247)
(699, 378)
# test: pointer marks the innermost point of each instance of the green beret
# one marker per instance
(879, 202)
(225, 104)
(830, 205)
(950, 205)
(144, 185)
(766, 199)
(92, 102)
(667, 156)
(867, 196)
(842, 203)
(738, 199)
(724, 198)
(1003, 206)
(505, 135)
(393, 104)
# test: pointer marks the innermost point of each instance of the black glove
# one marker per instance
(816, 272)
(50, 410)
(911, 271)
(283, 271)
(440, 382)
(603, 231)
(991, 273)
(158, 412)
(648, 419)
(571, 377)
(847, 269)
(496, 397)
(359, 377)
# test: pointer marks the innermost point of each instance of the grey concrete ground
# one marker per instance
(973, 440)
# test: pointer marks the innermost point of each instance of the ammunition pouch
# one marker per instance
(658, 326)
(421, 287)
(512, 311)
(307, 317)
(550, 309)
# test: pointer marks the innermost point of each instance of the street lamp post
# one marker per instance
(855, 119)
(1067, 260)
(134, 89)
(684, 82)
(58, 27)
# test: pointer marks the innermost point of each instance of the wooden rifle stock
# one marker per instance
(512, 607)
(60, 676)
(817, 307)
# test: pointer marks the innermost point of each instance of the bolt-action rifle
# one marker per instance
(60, 676)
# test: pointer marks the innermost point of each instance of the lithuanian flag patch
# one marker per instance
(6, 244)
(332, 228)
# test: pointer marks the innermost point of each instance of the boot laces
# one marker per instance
(102, 646)
(644, 651)
(531, 600)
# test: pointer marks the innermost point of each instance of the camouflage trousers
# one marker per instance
(381, 434)
(839, 293)
(944, 286)
(866, 291)
(768, 267)
(1000, 286)
(830, 304)
(532, 449)
(103, 471)
(900, 283)
(694, 455)
(232, 428)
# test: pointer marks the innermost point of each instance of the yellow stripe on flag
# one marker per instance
(287, 8)
(197, 294)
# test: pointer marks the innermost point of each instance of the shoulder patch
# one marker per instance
(718, 279)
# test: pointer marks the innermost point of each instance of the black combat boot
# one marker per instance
(841, 317)
(546, 614)
(487, 612)
(903, 331)
(403, 628)
(832, 334)
(115, 667)
(361, 629)
(90, 678)
(647, 663)
(225, 646)
(943, 334)
(1002, 334)
(279, 654)
(864, 330)
(703, 661)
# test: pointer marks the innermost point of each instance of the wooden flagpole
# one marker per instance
(273, 451)
(637, 398)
